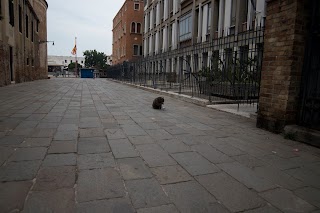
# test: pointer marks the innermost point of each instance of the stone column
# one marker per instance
(284, 44)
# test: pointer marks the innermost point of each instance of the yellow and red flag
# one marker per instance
(74, 50)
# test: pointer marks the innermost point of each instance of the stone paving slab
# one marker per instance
(286, 201)
(93, 145)
(213, 155)
(154, 155)
(43, 133)
(60, 160)
(194, 163)
(19, 171)
(95, 161)
(55, 154)
(234, 195)
(133, 168)
(159, 209)
(52, 178)
(26, 154)
(192, 197)
(122, 148)
(310, 195)
(5, 153)
(98, 184)
(171, 174)
(247, 176)
(61, 200)
(13, 195)
(146, 193)
(117, 205)
(63, 147)
(36, 142)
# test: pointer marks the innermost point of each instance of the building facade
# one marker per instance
(57, 63)
(127, 32)
(170, 25)
(64, 60)
(193, 36)
(23, 36)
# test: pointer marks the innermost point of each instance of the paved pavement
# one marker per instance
(74, 145)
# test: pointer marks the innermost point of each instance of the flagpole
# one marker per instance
(77, 73)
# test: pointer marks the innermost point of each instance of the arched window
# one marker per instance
(133, 27)
(138, 28)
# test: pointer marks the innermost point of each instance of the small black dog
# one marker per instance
(157, 103)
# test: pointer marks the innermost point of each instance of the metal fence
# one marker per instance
(223, 70)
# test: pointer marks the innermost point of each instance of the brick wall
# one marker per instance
(126, 16)
(284, 45)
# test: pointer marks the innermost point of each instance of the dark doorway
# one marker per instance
(310, 87)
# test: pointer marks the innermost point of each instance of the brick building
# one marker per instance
(23, 52)
(290, 92)
(127, 32)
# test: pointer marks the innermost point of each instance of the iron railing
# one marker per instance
(222, 70)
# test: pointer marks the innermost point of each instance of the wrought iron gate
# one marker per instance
(310, 89)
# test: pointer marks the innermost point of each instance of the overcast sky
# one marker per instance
(88, 20)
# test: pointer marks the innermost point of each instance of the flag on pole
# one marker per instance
(74, 50)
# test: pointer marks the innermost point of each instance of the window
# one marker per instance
(20, 19)
(185, 27)
(233, 12)
(65, 61)
(170, 35)
(37, 26)
(32, 30)
(136, 6)
(81, 62)
(70, 61)
(136, 50)
(133, 27)
(138, 28)
(11, 13)
(27, 26)
(209, 18)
